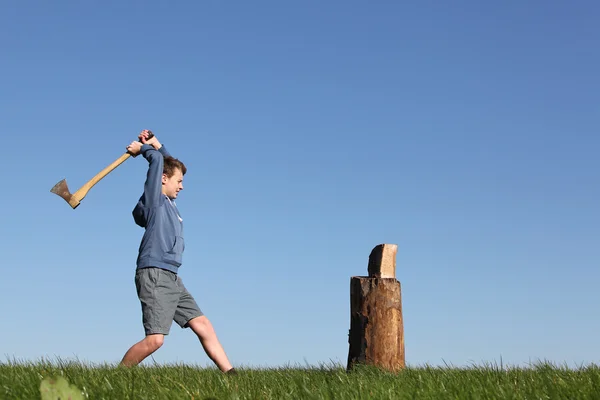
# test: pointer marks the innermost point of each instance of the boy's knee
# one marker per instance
(202, 327)
(201, 322)
(155, 341)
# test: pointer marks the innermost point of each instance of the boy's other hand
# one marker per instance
(143, 136)
(134, 148)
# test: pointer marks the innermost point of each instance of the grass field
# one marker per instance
(542, 381)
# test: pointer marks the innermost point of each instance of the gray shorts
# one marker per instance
(164, 300)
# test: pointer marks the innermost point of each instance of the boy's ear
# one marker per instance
(164, 178)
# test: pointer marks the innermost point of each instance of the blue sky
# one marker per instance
(467, 134)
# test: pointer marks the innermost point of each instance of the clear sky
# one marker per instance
(465, 133)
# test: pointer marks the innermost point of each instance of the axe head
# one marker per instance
(62, 190)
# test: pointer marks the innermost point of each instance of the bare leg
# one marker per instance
(142, 349)
(208, 338)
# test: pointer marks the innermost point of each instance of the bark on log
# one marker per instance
(376, 325)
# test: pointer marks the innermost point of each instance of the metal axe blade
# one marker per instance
(62, 190)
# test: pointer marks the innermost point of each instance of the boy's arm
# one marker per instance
(164, 151)
(153, 151)
(153, 184)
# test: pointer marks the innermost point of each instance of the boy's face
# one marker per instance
(171, 186)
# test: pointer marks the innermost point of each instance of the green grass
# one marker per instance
(20, 380)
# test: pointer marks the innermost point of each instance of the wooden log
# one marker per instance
(376, 325)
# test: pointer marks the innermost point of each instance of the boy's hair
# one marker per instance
(171, 164)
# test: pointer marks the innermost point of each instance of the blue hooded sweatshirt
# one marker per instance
(162, 244)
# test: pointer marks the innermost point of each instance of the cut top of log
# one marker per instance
(382, 261)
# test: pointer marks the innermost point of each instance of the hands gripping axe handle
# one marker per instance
(74, 199)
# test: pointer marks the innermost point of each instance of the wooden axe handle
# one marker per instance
(82, 192)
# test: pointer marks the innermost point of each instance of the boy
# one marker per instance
(162, 294)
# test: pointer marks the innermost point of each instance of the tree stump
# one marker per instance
(376, 326)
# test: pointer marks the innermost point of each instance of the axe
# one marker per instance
(74, 199)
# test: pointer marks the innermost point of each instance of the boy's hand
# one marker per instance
(134, 148)
(143, 136)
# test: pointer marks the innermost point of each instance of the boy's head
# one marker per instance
(172, 179)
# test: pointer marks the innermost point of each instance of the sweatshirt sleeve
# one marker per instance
(163, 150)
(153, 185)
